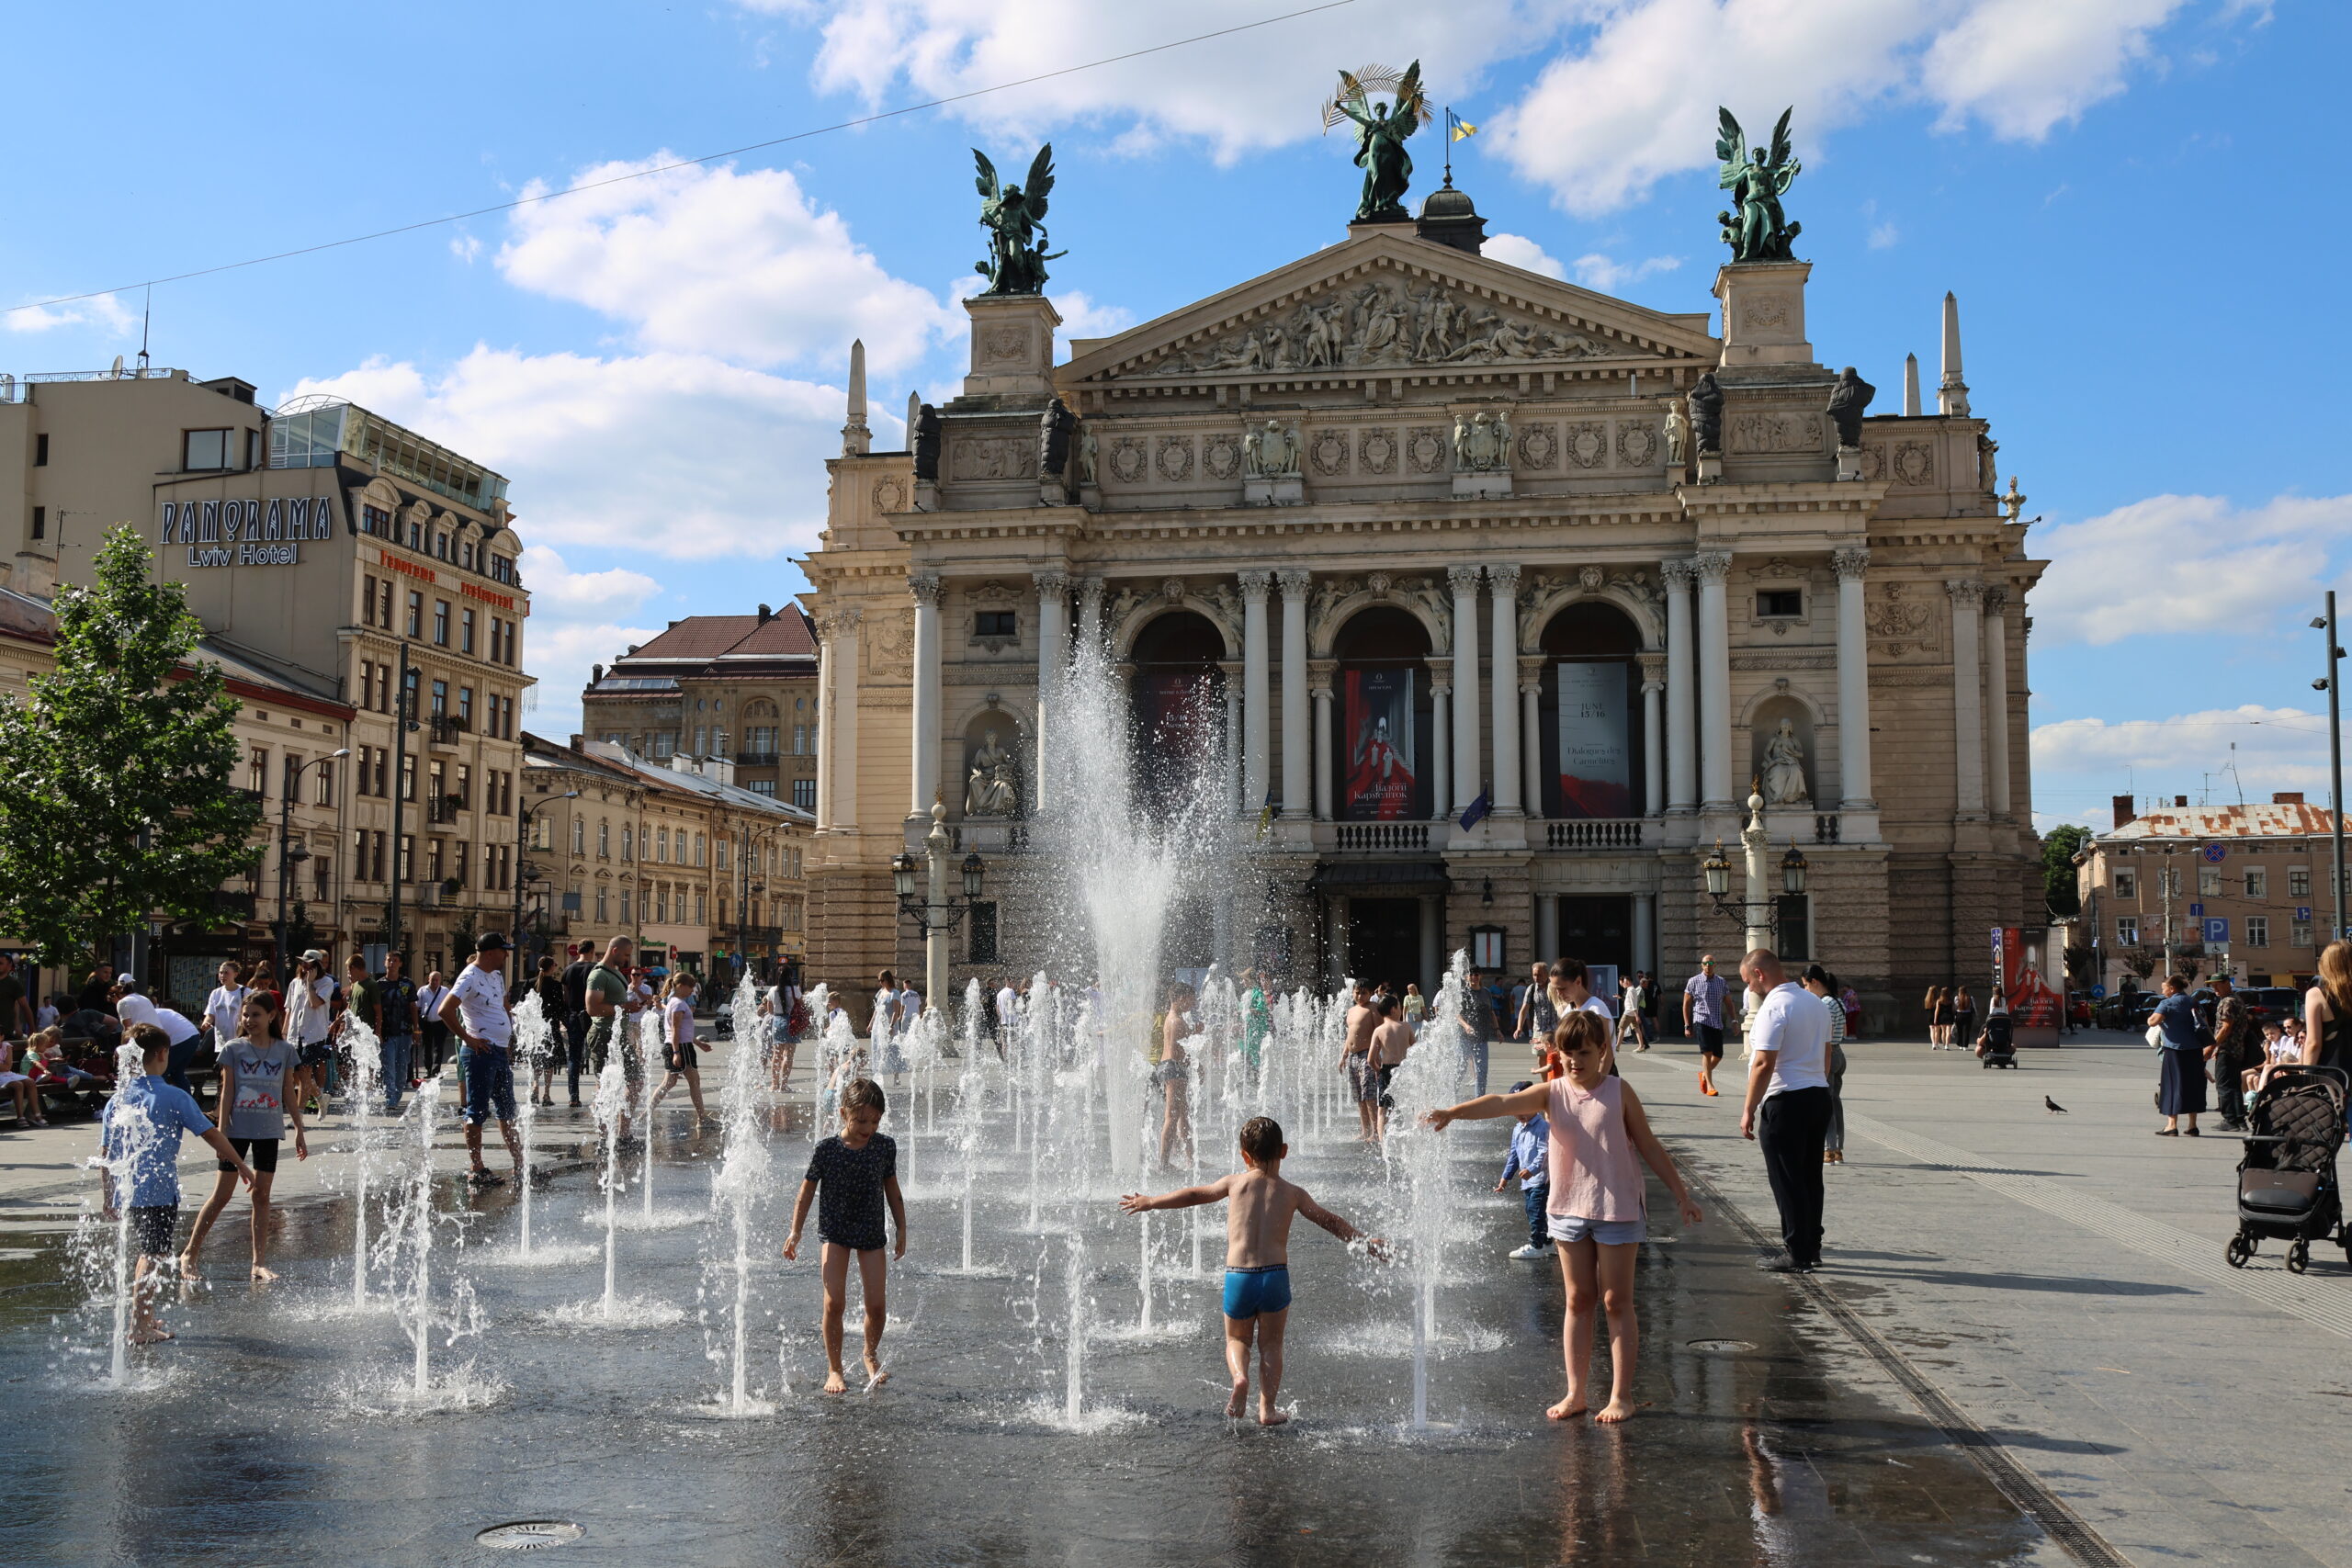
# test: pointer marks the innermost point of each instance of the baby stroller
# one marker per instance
(2287, 1187)
(1998, 1046)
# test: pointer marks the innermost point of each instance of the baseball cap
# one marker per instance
(491, 942)
(1521, 1087)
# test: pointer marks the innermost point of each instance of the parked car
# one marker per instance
(2273, 1003)
(2125, 1010)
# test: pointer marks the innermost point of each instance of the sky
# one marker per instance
(2136, 201)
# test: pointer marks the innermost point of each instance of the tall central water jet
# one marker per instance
(743, 1171)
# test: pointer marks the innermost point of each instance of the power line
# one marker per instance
(680, 164)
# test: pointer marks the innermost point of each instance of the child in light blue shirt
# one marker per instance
(1530, 1144)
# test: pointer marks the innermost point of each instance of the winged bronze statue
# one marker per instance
(1756, 229)
(1381, 130)
(1013, 215)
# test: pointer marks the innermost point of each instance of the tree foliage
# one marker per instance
(2059, 848)
(121, 805)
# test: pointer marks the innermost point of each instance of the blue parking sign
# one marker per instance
(2217, 930)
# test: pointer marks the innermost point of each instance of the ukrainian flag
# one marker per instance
(1457, 128)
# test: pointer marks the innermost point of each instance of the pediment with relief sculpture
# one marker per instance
(1389, 302)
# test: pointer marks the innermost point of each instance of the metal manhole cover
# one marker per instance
(1721, 1347)
(529, 1535)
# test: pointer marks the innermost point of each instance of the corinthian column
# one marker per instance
(1996, 698)
(1653, 734)
(1853, 681)
(1502, 584)
(1968, 695)
(1319, 691)
(1441, 740)
(924, 586)
(1464, 583)
(1297, 744)
(1257, 723)
(1714, 681)
(1681, 691)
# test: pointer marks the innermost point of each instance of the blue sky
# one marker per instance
(2137, 201)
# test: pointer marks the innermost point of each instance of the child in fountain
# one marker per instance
(141, 1129)
(855, 1174)
(1259, 1207)
(678, 1045)
(255, 1068)
(1598, 1141)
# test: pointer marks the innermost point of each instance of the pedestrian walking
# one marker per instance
(1939, 1010)
(2183, 1045)
(1788, 1103)
(1963, 1020)
(1702, 1015)
(1821, 983)
(575, 1015)
(433, 1035)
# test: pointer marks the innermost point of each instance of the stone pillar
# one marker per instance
(1715, 683)
(925, 718)
(1502, 584)
(1257, 721)
(1090, 612)
(1465, 581)
(826, 634)
(1531, 728)
(1320, 690)
(1232, 667)
(1968, 695)
(839, 720)
(1440, 742)
(1297, 763)
(1547, 928)
(1681, 686)
(1853, 681)
(1645, 934)
(1996, 699)
(1653, 734)
(1053, 652)
(1433, 944)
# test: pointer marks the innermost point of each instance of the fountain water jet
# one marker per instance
(533, 1035)
(742, 1172)
(611, 1107)
(364, 1085)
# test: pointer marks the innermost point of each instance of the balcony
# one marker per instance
(1373, 837)
(755, 759)
(1595, 833)
(444, 808)
(449, 728)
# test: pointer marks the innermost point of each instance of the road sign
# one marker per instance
(2098, 993)
(2217, 930)
(2214, 853)
(2303, 911)
(2195, 911)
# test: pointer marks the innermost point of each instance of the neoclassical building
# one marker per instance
(1429, 539)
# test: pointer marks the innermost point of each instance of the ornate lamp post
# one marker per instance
(286, 855)
(1756, 909)
(934, 913)
(525, 969)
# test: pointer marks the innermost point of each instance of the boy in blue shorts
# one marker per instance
(1260, 1206)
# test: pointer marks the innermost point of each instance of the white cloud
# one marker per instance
(2022, 66)
(467, 248)
(1083, 316)
(616, 590)
(1518, 250)
(667, 454)
(560, 653)
(1884, 236)
(1596, 271)
(737, 265)
(2195, 563)
(103, 311)
(2272, 739)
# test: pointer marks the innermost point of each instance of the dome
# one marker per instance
(1448, 218)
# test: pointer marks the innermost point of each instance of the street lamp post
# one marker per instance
(2330, 683)
(286, 842)
(746, 886)
(1757, 909)
(935, 913)
(522, 815)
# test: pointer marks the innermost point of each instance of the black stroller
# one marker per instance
(2287, 1188)
(1997, 1047)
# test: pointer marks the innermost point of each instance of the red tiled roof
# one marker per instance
(785, 634)
(2279, 820)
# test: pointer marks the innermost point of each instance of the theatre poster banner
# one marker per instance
(1378, 786)
(1596, 745)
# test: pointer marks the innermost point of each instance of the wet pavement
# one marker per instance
(268, 1432)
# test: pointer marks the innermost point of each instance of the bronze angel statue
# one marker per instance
(1016, 262)
(1755, 228)
(1380, 136)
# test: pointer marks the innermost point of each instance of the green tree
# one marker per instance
(121, 805)
(2059, 848)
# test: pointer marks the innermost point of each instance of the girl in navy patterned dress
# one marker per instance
(850, 1177)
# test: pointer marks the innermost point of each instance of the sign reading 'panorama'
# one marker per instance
(244, 532)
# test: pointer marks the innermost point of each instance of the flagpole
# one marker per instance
(1449, 146)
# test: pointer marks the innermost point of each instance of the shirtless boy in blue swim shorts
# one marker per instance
(1259, 1205)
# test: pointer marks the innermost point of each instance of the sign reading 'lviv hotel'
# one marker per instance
(247, 533)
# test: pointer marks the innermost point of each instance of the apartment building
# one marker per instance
(2238, 889)
(739, 687)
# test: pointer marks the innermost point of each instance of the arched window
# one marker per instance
(1179, 705)
(1591, 714)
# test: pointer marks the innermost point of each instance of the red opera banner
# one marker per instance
(1377, 786)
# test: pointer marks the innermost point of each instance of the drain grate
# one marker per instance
(530, 1535)
(1721, 1347)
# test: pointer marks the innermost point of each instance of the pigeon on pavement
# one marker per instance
(2055, 1109)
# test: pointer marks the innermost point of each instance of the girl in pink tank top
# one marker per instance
(1599, 1141)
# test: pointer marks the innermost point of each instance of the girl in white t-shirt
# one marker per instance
(678, 1045)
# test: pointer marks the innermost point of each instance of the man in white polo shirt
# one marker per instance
(1788, 1104)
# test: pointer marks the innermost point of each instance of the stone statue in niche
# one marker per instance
(1678, 436)
(1089, 454)
(1054, 428)
(926, 443)
(993, 786)
(1784, 768)
(1707, 415)
(1849, 401)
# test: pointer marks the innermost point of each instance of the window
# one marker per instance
(982, 924)
(437, 862)
(320, 867)
(722, 853)
(662, 845)
(465, 790)
(2126, 886)
(665, 743)
(367, 601)
(1486, 947)
(40, 518)
(2257, 930)
(995, 623)
(415, 613)
(466, 632)
(628, 843)
(603, 841)
(760, 740)
(386, 622)
(440, 699)
(698, 849)
(408, 779)
(40, 451)
(763, 786)
(360, 851)
(702, 740)
(2208, 882)
(441, 623)
(376, 520)
(2300, 934)
(206, 450)
(1780, 604)
(2299, 882)
(257, 772)
(603, 909)
(2257, 883)
(699, 906)
(625, 919)
(406, 865)
(2127, 931)
(804, 793)
(324, 772)
(579, 835)
(465, 706)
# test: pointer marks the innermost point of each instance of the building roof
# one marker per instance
(734, 795)
(2290, 818)
(706, 639)
(252, 676)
